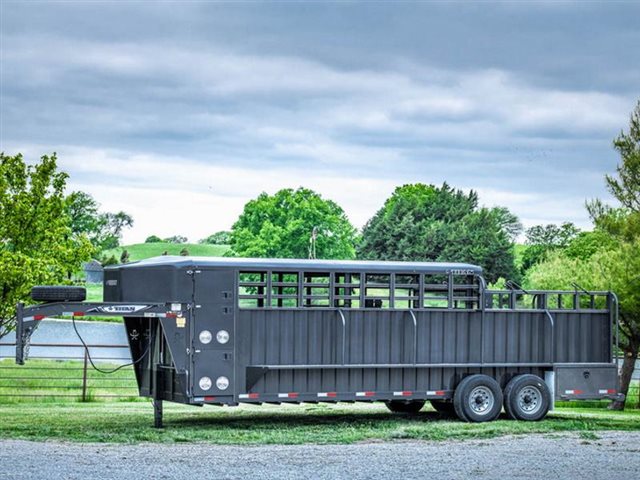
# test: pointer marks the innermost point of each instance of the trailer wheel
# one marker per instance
(443, 407)
(405, 406)
(478, 398)
(527, 397)
(50, 293)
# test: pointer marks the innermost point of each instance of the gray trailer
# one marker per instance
(225, 331)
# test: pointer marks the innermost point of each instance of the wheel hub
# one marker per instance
(530, 399)
(481, 400)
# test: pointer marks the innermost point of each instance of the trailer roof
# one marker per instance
(298, 264)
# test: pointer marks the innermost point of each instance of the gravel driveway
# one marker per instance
(612, 455)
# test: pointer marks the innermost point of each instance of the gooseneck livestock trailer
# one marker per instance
(226, 331)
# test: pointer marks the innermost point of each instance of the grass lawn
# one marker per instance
(140, 251)
(269, 424)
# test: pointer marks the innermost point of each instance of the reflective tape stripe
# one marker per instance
(404, 393)
(573, 392)
(249, 395)
(288, 395)
(365, 394)
(437, 393)
(607, 391)
(37, 318)
(327, 394)
(209, 399)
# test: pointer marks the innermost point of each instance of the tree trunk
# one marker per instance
(628, 364)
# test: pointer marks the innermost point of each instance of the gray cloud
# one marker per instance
(518, 102)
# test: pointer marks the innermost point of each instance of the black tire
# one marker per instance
(405, 406)
(527, 397)
(443, 407)
(49, 293)
(478, 398)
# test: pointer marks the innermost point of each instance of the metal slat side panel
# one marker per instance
(315, 337)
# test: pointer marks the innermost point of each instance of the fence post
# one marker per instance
(84, 377)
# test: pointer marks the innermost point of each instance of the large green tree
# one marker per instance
(293, 224)
(103, 229)
(426, 223)
(36, 241)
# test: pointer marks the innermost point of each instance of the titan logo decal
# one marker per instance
(461, 271)
(120, 308)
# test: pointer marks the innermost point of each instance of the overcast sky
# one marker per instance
(179, 113)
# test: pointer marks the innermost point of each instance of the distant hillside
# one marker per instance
(140, 251)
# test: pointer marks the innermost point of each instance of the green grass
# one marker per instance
(51, 381)
(140, 251)
(286, 424)
(129, 419)
(94, 292)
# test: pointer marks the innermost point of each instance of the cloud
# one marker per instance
(172, 125)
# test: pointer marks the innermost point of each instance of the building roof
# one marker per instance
(298, 264)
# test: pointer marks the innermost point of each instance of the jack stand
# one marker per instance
(157, 413)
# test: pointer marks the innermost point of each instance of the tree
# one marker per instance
(426, 223)
(37, 245)
(282, 225)
(612, 253)
(222, 237)
(623, 224)
(176, 239)
(104, 230)
(542, 239)
(124, 257)
(184, 252)
(153, 239)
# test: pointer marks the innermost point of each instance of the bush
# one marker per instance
(153, 239)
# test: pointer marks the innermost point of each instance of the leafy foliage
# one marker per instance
(542, 239)
(37, 244)
(104, 230)
(222, 237)
(426, 223)
(625, 187)
(153, 239)
(281, 225)
(176, 239)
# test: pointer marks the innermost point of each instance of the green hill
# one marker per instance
(140, 251)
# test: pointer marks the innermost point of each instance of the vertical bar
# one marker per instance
(84, 377)
(392, 290)
(268, 279)
(157, 413)
(20, 334)
(450, 291)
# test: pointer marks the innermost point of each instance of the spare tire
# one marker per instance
(51, 293)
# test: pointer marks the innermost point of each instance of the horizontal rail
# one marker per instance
(401, 365)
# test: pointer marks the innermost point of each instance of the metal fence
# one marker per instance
(65, 376)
